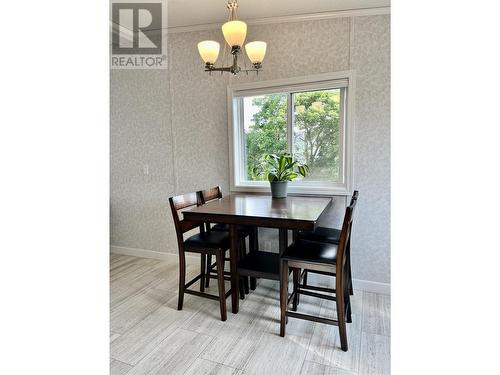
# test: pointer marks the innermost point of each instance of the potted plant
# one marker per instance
(281, 169)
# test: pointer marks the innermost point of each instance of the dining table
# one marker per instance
(296, 213)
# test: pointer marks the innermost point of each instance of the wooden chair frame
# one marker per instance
(303, 275)
(182, 226)
(211, 194)
(340, 294)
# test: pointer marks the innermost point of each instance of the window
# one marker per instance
(308, 117)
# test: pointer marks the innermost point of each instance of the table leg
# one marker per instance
(283, 243)
(283, 239)
(297, 273)
(233, 242)
(253, 244)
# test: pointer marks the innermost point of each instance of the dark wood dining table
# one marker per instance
(260, 210)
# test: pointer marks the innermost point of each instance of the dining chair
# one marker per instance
(330, 235)
(326, 258)
(213, 243)
(209, 195)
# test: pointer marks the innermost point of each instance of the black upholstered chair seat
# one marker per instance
(322, 234)
(221, 227)
(311, 251)
(212, 240)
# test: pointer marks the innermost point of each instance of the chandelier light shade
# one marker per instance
(235, 33)
(209, 51)
(256, 51)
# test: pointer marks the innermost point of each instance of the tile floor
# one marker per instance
(149, 336)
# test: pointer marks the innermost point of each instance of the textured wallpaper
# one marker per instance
(175, 122)
(371, 231)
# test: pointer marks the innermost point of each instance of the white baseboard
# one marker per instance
(371, 286)
(364, 285)
(141, 253)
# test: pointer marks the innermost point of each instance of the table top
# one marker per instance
(293, 212)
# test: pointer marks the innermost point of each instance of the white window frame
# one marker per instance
(238, 182)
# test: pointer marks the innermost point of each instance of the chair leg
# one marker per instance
(182, 278)
(304, 280)
(283, 296)
(296, 278)
(347, 296)
(253, 283)
(348, 266)
(220, 280)
(245, 285)
(203, 268)
(241, 288)
(209, 268)
(348, 308)
(341, 321)
(298, 286)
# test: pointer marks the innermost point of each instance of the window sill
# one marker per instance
(314, 190)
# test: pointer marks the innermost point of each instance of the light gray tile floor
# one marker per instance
(149, 336)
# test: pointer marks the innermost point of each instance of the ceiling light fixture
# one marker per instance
(234, 32)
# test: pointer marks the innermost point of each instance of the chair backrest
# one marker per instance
(181, 202)
(210, 194)
(354, 197)
(353, 202)
(345, 236)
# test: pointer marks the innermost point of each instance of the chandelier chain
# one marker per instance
(232, 5)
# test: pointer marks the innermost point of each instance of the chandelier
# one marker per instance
(235, 32)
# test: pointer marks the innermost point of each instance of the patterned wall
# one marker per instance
(176, 122)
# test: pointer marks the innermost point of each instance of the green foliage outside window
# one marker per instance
(316, 133)
(268, 133)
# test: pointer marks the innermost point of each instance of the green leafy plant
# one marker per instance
(282, 167)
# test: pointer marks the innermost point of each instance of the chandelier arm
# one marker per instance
(222, 69)
(234, 68)
(229, 69)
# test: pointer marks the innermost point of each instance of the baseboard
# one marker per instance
(371, 286)
(141, 253)
(364, 285)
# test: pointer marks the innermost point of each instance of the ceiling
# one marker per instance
(198, 12)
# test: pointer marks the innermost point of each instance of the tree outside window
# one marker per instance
(315, 131)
